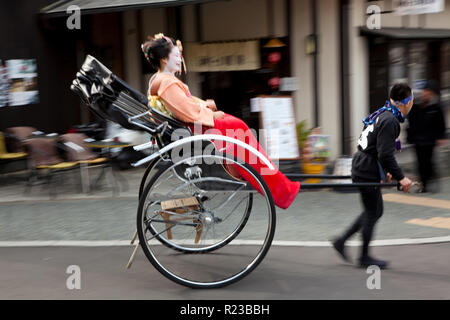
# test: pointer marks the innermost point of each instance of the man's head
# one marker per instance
(430, 90)
(402, 97)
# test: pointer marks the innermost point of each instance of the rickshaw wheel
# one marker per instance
(185, 207)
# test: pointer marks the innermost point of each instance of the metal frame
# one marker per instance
(203, 137)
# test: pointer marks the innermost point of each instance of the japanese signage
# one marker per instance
(18, 82)
(223, 56)
(412, 7)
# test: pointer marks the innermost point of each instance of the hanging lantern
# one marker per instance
(274, 57)
(274, 82)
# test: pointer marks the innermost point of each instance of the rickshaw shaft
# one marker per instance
(316, 176)
(346, 185)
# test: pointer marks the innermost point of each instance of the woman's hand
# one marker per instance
(211, 104)
(218, 114)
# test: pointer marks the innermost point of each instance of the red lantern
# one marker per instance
(274, 57)
(274, 82)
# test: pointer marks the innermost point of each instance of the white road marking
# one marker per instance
(124, 243)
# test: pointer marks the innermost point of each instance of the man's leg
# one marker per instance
(423, 164)
(373, 205)
(430, 173)
(354, 228)
(339, 243)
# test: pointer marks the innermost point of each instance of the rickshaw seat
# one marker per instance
(111, 98)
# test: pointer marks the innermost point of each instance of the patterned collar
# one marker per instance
(387, 107)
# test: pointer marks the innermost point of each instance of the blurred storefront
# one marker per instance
(403, 41)
(412, 55)
(227, 48)
(412, 45)
(319, 52)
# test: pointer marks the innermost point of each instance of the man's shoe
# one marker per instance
(369, 261)
(339, 246)
(422, 190)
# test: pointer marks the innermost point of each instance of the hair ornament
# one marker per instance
(158, 36)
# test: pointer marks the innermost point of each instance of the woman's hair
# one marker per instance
(400, 91)
(157, 49)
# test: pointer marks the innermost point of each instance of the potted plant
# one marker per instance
(314, 150)
(302, 135)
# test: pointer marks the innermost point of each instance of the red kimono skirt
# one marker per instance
(283, 190)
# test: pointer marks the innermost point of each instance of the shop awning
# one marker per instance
(406, 33)
(59, 8)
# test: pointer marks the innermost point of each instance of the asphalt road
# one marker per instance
(287, 273)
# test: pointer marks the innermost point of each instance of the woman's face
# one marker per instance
(173, 61)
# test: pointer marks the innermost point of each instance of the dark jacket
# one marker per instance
(377, 146)
(426, 124)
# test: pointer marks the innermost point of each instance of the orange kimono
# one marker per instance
(187, 108)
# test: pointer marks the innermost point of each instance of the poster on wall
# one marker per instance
(22, 78)
(278, 122)
(4, 85)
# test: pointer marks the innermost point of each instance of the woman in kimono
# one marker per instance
(171, 96)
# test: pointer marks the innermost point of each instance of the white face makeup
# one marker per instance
(173, 64)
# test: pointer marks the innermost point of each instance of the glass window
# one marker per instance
(445, 75)
(417, 65)
(397, 64)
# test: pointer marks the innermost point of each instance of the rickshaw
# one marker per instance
(198, 223)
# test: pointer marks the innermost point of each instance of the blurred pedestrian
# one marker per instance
(426, 129)
(374, 162)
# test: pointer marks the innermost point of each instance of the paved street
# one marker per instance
(418, 272)
(41, 237)
(314, 216)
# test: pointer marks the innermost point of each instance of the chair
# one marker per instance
(110, 98)
(5, 155)
(7, 158)
(77, 151)
(44, 157)
(16, 135)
